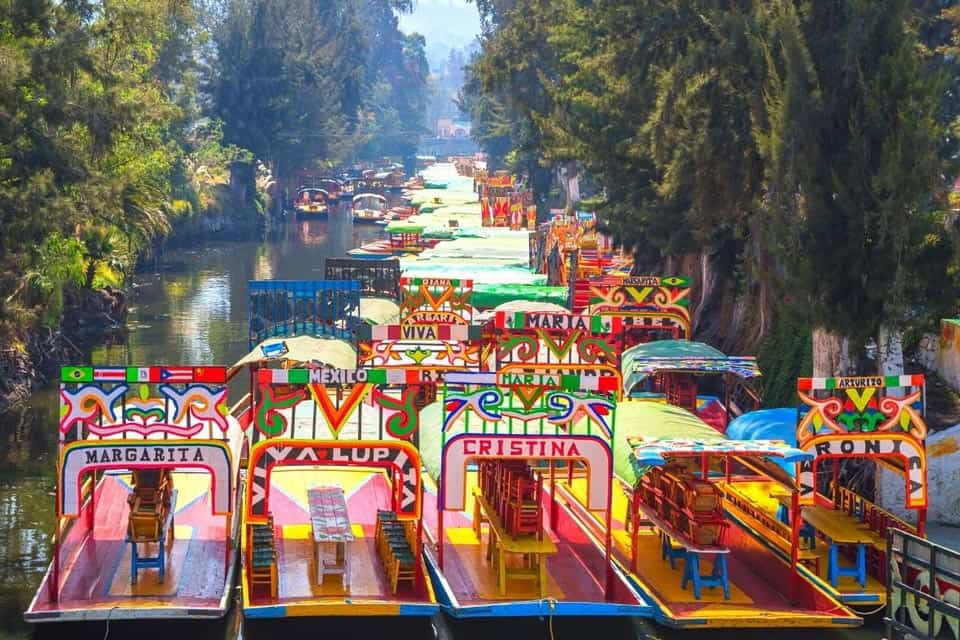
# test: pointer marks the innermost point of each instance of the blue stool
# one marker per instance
(858, 571)
(716, 578)
(783, 514)
(667, 550)
(806, 531)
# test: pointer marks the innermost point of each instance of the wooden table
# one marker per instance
(499, 543)
(331, 532)
(840, 530)
(691, 559)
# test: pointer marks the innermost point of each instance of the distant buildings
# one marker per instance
(452, 129)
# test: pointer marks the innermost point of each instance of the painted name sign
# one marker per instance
(859, 383)
(433, 317)
(462, 448)
(82, 457)
(401, 457)
(559, 322)
(904, 447)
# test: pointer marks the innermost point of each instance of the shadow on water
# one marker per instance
(192, 308)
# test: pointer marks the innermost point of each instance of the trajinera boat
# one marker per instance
(369, 208)
(311, 202)
(148, 488)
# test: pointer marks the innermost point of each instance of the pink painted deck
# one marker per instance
(95, 563)
(576, 573)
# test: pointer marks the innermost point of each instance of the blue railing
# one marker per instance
(289, 308)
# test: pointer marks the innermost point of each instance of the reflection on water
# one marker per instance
(193, 310)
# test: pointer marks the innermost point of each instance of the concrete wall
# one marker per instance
(948, 354)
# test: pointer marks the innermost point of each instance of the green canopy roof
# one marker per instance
(644, 360)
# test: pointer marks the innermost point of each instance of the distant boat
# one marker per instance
(369, 207)
(311, 202)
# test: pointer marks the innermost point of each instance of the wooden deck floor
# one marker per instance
(366, 492)
(757, 598)
(95, 564)
(576, 573)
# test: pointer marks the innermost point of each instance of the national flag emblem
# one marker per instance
(210, 375)
(138, 374)
(176, 374)
(110, 374)
(76, 374)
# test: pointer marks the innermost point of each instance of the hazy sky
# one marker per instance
(443, 22)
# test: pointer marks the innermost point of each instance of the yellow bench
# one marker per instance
(772, 529)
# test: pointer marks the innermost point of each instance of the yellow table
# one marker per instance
(841, 529)
(532, 550)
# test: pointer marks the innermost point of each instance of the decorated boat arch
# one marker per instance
(435, 332)
(652, 307)
(495, 444)
(142, 448)
(337, 480)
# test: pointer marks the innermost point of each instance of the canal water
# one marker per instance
(192, 308)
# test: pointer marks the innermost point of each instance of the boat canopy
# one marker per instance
(373, 196)
(404, 227)
(331, 352)
(313, 190)
(685, 356)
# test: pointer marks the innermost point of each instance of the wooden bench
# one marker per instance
(263, 557)
(499, 543)
(776, 532)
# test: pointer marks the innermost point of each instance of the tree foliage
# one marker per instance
(804, 148)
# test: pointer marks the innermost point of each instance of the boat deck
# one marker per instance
(764, 592)
(298, 594)
(575, 573)
(95, 563)
(848, 590)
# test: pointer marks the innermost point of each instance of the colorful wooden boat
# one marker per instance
(332, 512)
(504, 545)
(403, 238)
(688, 548)
(311, 202)
(879, 418)
(693, 375)
(147, 491)
(369, 207)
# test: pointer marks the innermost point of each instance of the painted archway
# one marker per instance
(399, 457)
(460, 449)
(868, 445)
(79, 458)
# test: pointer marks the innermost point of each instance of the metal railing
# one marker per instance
(288, 308)
(376, 277)
(923, 588)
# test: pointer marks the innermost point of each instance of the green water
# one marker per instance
(193, 309)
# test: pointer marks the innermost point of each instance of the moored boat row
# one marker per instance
(408, 443)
